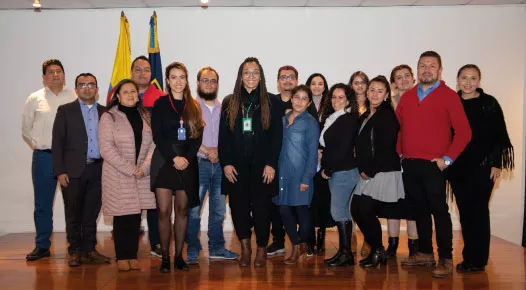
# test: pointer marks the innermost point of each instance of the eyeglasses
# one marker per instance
(141, 71)
(253, 74)
(290, 78)
(86, 85)
(208, 81)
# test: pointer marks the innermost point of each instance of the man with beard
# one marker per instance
(287, 80)
(141, 75)
(210, 174)
(427, 113)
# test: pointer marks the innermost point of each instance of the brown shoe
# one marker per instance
(134, 264)
(443, 269)
(95, 257)
(246, 253)
(420, 259)
(294, 256)
(366, 249)
(74, 259)
(261, 257)
(123, 265)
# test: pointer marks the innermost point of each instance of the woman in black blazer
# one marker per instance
(379, 165)
(250, 133)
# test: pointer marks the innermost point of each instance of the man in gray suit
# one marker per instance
(78, 166)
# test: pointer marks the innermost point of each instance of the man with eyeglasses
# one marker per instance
(287, 80)
(210, 174)
(141, 75)
(40, 109)
(78, 166)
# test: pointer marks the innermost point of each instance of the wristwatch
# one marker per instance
(447, 162)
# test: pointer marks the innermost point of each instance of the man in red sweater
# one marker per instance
(427, 113)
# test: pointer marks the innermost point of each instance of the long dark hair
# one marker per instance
(192, 113)
(114, 101)
(387, 103)
(325, 103)
(353, 105)
(235, 101)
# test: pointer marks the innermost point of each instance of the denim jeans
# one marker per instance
(341, 185)
(210, 175)
(44, 185)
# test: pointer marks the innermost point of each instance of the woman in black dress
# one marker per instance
(475, 171)
(177, 128)
(250, 133)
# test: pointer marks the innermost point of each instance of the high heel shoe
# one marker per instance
(375, 258)
(180, 264)
(165, 265)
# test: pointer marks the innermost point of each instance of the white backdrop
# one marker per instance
(334, 41)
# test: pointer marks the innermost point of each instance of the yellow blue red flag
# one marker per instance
(122, 64)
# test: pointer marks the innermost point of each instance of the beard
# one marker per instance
(207, 96)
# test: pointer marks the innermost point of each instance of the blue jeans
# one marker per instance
(210, 175)
(341, 185)
(44, 185)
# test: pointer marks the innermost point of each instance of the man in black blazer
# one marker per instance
(78, 166)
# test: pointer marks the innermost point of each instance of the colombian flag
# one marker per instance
(154, 54)
(122, 64)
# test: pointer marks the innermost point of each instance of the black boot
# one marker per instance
(412, 244)
(375, 258)
(346, 257)
(391, 249)
(340, 226)
(165, 264)
(320, 242)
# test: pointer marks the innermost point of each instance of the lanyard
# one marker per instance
(247, 110)
(180, 115)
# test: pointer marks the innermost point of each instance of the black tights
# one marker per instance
(180, 206)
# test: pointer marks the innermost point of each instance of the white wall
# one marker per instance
(334, 41)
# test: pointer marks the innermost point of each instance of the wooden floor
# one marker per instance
(506, 270)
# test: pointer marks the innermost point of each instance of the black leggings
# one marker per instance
(126, 230)
(292, 216)
(364, 210)
(180, 207)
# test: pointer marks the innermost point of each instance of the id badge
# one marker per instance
(247, 124)
(181, 134)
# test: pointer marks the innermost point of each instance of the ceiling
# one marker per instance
(79, 4)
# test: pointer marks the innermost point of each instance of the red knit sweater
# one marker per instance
(425, 126)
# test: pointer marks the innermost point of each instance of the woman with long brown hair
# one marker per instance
(177, 128)
(250, 133)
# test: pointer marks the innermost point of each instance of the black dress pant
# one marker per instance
(472, 190)
(425, 189)
(292, 216)
(126, 230)
(251, 209)
(364, 210)
(276, 223)
(82, 202)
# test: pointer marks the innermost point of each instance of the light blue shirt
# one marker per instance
(91, 122)
(421, 94)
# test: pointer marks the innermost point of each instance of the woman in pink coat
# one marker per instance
(126, 144)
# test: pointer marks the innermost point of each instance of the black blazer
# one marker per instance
(338, 153)
(70, 141)
(267, 147)
(376, 143)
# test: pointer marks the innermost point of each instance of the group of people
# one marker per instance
(307, 157)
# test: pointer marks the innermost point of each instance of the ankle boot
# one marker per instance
(346, 257)
(391, 249)
(294, 256)
(261, 257)
(165, 264)
(375, 258)
(340, 226)
(180, 263)
(412, 244)
(320, 242)
(246, 253)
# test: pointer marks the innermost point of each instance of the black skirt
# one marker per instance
(164, 175)
(396, 210)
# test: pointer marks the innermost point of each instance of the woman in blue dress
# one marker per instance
(297, 166)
